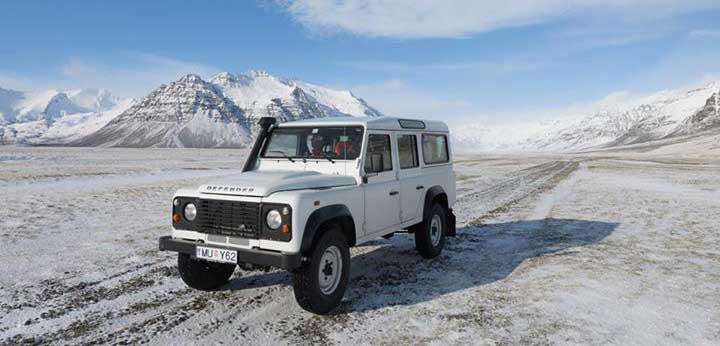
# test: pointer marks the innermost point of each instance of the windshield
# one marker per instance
(334, 143)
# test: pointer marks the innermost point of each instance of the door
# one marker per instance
(382, 189)
(412, 191)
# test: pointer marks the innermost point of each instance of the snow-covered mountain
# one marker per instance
(706, 118)
(260, 94)
(53, 117)
(189, 112)
(609, 124)
(221, 112)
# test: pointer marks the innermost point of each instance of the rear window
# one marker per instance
(435, 149)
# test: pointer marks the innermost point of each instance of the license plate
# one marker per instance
(216, 255)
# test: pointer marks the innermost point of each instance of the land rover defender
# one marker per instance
(309, 191)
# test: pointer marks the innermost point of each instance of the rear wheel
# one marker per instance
(203, 275)
(320, 284)
(430, 234)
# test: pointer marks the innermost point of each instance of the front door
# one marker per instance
(382, 190)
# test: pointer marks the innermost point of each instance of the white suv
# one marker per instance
(309, 191)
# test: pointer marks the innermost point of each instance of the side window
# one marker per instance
(435, 149)
(378, 157)
(407, 151)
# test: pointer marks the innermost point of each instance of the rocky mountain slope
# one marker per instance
(189, 112)
(610, 124)
(221, 112)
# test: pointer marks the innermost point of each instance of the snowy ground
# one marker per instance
(614, 249)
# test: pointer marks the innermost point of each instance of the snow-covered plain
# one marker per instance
(605, 248)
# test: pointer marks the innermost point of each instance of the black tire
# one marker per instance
(203, 275)
(322, 297)
(428, 243)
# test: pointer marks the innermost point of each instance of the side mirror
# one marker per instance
(375, 162)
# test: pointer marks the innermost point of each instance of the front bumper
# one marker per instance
(252, 256)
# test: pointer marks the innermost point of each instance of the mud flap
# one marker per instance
(451, 223)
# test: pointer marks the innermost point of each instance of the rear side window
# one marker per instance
(435, 149)
(407, 151)
(378, 148)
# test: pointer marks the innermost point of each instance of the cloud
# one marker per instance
(704, 34)
(397, 98)
(12, 81)
(618, 40)
(461, 18)
(139, 73)
(134, 75)
(483, 66)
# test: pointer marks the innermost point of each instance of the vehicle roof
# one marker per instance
(372, 123)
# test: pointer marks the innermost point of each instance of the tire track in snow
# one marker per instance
(499, 198)
(544, 206)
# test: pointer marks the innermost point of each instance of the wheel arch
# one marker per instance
(436, 194)
(433, 195)
(338, 213)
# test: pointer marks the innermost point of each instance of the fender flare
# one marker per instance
(322, 215)
(430, 195)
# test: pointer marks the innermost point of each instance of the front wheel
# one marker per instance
(430, 234)
(320, 284)
(203, 275)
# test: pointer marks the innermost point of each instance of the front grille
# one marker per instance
(239, 219)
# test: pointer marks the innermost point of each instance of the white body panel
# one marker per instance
(382, 197)
(386, 202)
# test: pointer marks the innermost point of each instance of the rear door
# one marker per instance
(412, 189)
(382, 189)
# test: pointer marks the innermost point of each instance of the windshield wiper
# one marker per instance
(283, 154)
(327, 156)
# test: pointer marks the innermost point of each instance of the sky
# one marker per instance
(462, 60)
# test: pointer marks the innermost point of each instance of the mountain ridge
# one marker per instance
(188, 112)
(658, 116)
(223, 110)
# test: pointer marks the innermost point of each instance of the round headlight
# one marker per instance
(273, 219)
(190, 212)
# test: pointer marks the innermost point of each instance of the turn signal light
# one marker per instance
(285, 228)
(176, 217)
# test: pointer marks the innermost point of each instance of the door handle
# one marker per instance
(419, 187)
(393, 193)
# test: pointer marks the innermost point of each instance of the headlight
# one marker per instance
(273, 219)
(190, 212)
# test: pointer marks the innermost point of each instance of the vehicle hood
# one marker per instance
(265, 183)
